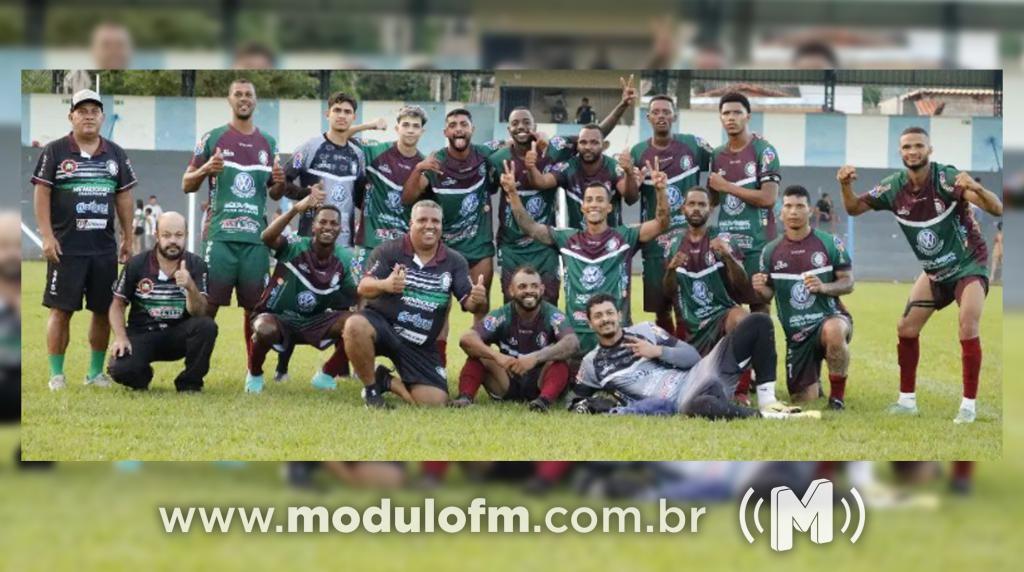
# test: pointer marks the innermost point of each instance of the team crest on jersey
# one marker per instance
(446, 280)
(879, 190)
(928, 242)
(944, 183)
(558, 143)
(675, 198)
(306, 301)
(535, 206)
(592, 277)
(800, 297)
(145, 286)
(68, 166)
(818, 259)
(750, 169)
(709, 258)
(613, 244)
(839, 243)
(767, 158)
(939, 207)
(686, 162)
(557, 318)
(481, 171)
(243, 186)
(393, 200)
(297, 160)
(469, 205)
(263, 157)
(542, 339)
(112, 167)
(491, 324)
(733, 205)
(701, 293)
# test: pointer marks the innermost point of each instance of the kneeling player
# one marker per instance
(533, 343)
(656, 374)
(309, 296)
(811, 269)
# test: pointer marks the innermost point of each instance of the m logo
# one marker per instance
(812, 514)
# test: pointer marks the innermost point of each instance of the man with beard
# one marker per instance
(932, 205)
(534, 343)
(656, 374)
(745, 173)
(597, 259)
(242, 167)
(515, 246)
(705, 275)
(588, 165)
(409, 283)
(166, 290)
(310, 294)
(810, 269)
(682, 158)
(79, 182)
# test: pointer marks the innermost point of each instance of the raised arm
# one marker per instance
(535, 230)
(851, 202)
(417, 181)
(194, 176)
(272, 236)
(628, 186)
(535, 178)
(978, 195)
(629, 95)
(660, 223)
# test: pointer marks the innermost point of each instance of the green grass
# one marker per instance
(292, 421)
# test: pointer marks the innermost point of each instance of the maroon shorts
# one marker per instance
(945, 293)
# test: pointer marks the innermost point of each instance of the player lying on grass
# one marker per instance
(534, 341)
(656, 374)
(310, 294)
(932, 204)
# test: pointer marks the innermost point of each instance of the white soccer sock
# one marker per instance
(967, 404)
(907, 399)
(765, 395)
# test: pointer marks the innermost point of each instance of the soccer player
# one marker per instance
(656, 374)
(165, 289)
(745, 172)
(810, 269)
(931, 203)
(682, 158)
(408, 283)
(596, 259)
(705, 275)
(79, 182)
(533, 341)
(240, 162)
(309, 296)
(588, 165)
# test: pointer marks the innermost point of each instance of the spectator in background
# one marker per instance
(138, 227)
(155, 207)
(823, 212)
(149, 234)
(559, 114)
(254, 56)
(111, 46)
(584, 113)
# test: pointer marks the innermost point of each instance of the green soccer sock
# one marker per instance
(56, 364)
(96, 362)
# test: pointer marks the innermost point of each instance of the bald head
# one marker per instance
(170, 235)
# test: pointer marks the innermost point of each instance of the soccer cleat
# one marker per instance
(768, 413)
(742, 399)
(374, 400)
(965, 416)
(323, 381)
(253, 383)
(461, 401)
(780, 407)
(836, 404)
(900, 409)
(57, 383)
(99, 380)
(281, 377)
(382, 379)
(540, 405)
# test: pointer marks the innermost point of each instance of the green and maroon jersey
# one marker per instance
(596, 264)
(304, 286)
(238, 195)
(683, 160)
(750, 167)
(702, 292)
(516, 336)
(571, 177)
(937, 222)
(464, 192)
(786, 262)
(383, 216)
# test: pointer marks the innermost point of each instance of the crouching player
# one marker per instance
(533, 340)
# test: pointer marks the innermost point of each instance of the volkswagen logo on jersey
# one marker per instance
(394, 200)
(818, 259)
(800, 297)
(535, 206)
(592, 277)
(675, 198)
(750, 169)
(243, 186)
(112, 167)
(733, 205)
(306, 301)
(263, 157)
(701, 293)
(469, 205)
(928, 242)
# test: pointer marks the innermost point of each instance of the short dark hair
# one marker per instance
(342, 97)
(413, 111)
(326, 207)
(914, 129)
(598, 185)
(663, 97)
(458, 111)
(797, 191)
(585, 99)
(524, 269)
(241, 80)
(593, 126)
(812, 49)
(699, 189)
(601, 299)
(734, 97)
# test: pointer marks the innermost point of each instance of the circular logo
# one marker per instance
(928, 242)
(112, 167)
(535, 206)
(800, 297)
(469, 205)
(263, 157)
(243, 186)
(733, 205)
(675, 198)
(818, 259)
(750, 169)
(686, 162)
(613, 244)
(68, 166)
(145, 286)
(306, 301)
(592, 277)
(701, 293)
(394, 200)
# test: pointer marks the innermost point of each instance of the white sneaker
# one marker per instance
(100, 380)
(780, 407)
(965, 416)
(57, 383)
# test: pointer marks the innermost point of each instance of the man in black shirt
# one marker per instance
(584, 113)
(166, 289)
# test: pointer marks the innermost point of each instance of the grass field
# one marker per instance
(292, 421)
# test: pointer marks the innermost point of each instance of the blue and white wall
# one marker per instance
(803, 140)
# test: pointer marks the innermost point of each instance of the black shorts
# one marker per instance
(522, 388)
(803, 358)
(76, 276)
(10, 395)
(415, 364)
(552, 284)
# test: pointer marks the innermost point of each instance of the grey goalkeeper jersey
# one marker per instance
(617, 369)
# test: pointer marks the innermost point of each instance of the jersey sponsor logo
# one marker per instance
(68, 166)
(750, 169)
(592, 277)
(675, 198)
(767, 158)
(701, 293)
(415, 319)
(92, 207)
(558, 143)
(800, 297)
(243, 185)
(557, 318)
(112, 167)
(839, 244)
(90, 223)
(580, 316)
(394, 200)
(263, 157)
(928, 242)
(240, 224)
(481, 170)
(165, 312)
(229, 153)
(491, 323)
(306, 301)
(385, 168)
(238, 206)
(447, 182)
(733, 205)
(818, 259)
(470, 203)
(535, 206)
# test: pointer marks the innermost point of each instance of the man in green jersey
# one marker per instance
(931, 203)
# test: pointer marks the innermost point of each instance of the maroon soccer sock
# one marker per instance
(837, 386)
(337, 364)
(436, 469)
(442, 349)
(908, 352)
(471, 377)
(743, 387)
(552, 471)
(970, 357)
(555, 378)
(963, 469)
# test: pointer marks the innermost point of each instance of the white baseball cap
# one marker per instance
(84, 96)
